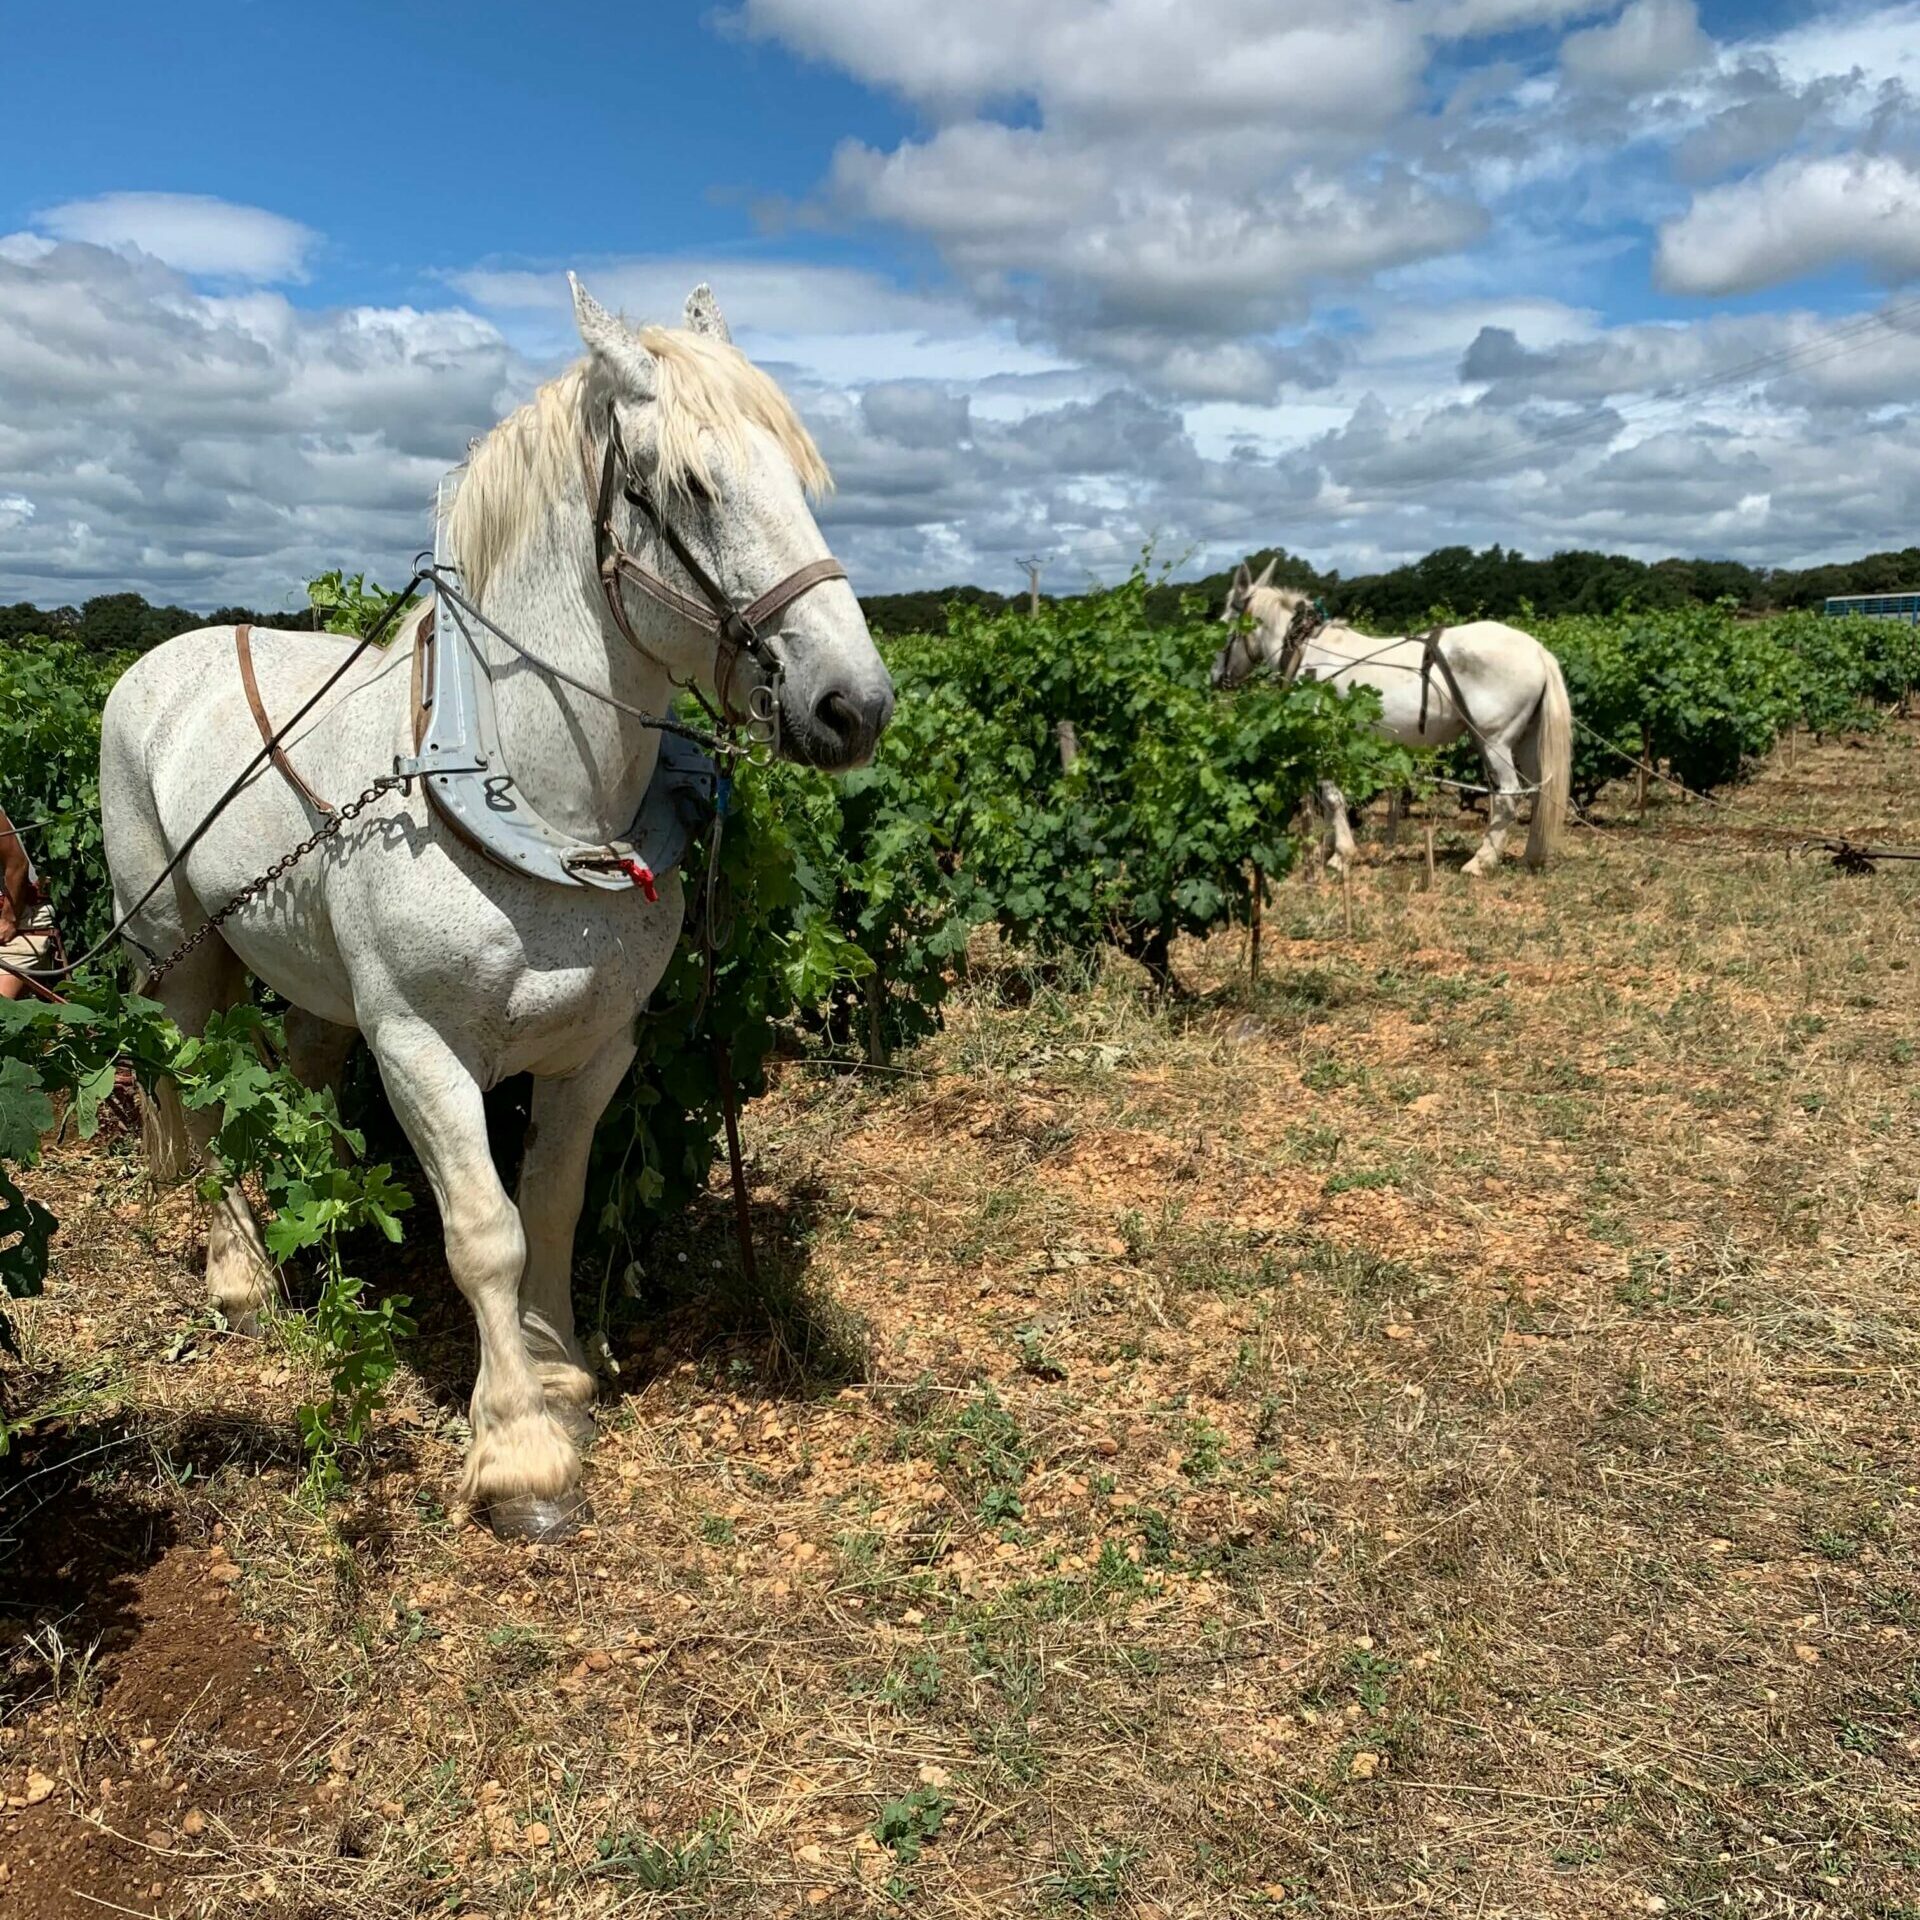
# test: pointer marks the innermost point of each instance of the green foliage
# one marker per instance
(907, 1824)
(850, 901)
(661, 1866)
(1708, 693)
(51, 693)
(1175, 795)
(347, 603)
(286, 1137)
(291, 1140)
(1500, 583)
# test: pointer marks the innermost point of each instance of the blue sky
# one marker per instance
(1360, 277)
(421, 138)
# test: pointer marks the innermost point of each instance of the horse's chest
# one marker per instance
(535, 978)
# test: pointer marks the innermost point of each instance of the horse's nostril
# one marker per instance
(837, 715)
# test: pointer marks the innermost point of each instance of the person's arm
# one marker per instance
(16, 880)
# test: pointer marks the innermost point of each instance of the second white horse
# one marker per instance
(1515, 701)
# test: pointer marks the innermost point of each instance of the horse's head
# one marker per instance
(1233, 665)
(715, 468)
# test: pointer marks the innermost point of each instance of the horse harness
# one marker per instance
(1430, 658)
(1310, 618)
(457, 752)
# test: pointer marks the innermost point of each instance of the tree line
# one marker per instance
(1498, 583)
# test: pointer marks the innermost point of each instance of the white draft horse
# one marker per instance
(1515, 701)
(457, 971)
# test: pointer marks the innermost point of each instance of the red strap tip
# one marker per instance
(642, 877)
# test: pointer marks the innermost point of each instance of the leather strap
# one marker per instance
(1431, 657)
(735, 629)
(1307, 621)
(778, 598)
(243, 647)
(422, 678)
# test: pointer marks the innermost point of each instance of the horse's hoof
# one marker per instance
(248, 1325)
(527, 1516)
(575, 1421)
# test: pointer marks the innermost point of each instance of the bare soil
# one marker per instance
(1430, 1430)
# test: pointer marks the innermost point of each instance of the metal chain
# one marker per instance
(288, 860)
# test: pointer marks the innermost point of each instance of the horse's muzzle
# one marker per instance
(838, 723)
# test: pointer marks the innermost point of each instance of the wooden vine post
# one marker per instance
(1256, 913)
(876, 1016)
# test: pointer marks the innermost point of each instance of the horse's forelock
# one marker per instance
(707, 393)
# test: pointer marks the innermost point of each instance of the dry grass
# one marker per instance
(1434, 1431)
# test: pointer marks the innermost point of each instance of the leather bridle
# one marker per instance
(736, 630)
(1307, 621)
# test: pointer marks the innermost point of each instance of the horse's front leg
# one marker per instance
(1503, 807)
(1333, 808)
(522, 1468)
(553, 1178)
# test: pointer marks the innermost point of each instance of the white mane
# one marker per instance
(707, 393)
(1265, 603)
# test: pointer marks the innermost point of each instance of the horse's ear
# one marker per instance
(613, 344)
(1242, 579)
(1266, 572)
(704, 315)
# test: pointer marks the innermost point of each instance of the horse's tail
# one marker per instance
(163, 1134)
(1553, 764)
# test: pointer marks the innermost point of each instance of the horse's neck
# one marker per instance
(582, 763)
(1344, 653)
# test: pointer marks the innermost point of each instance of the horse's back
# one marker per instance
(183, 674)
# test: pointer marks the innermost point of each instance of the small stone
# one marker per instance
(194, 1825)
(537, 1834)
(39, 1787)
(1364, 1765)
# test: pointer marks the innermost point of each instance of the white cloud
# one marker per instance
(1800, 216)
(1653, 44)
(1185, 180)
(191, 232)
(1140, 62)
(209, 449)
(1881, 42)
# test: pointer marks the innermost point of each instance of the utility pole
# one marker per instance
(1033, 563)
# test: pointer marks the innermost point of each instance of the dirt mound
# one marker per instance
(147, 1676)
